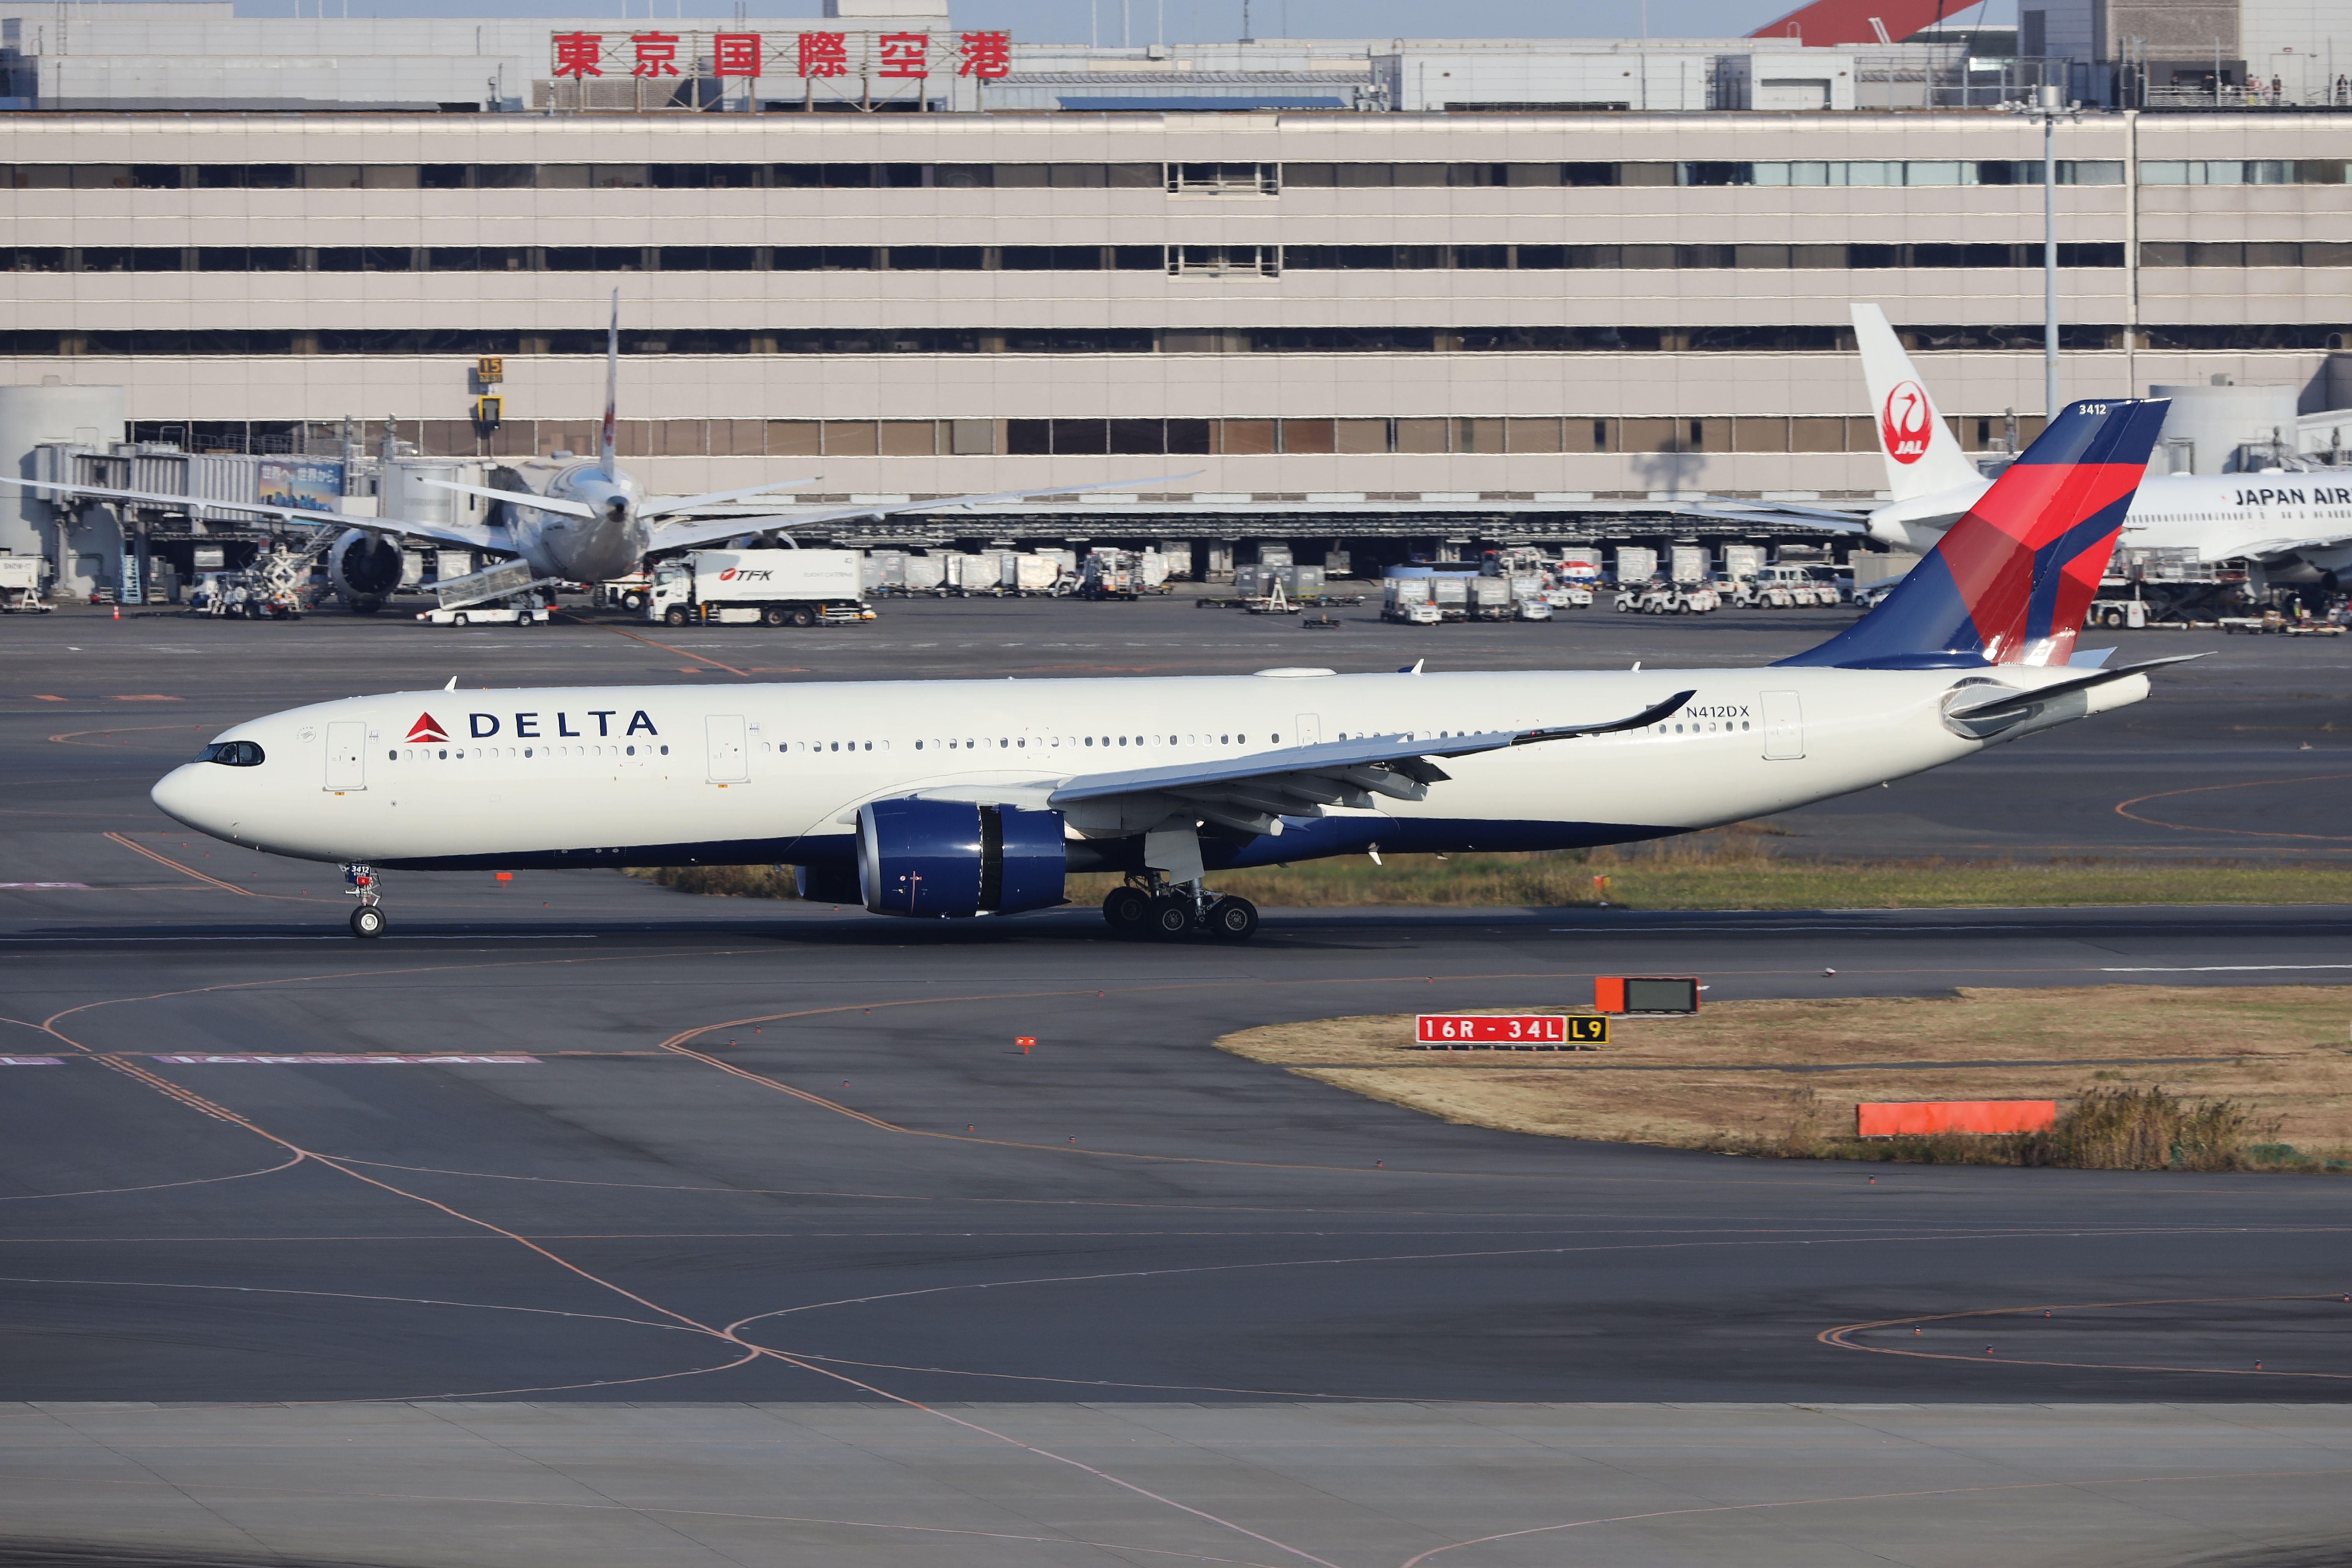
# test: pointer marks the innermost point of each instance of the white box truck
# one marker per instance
(1636, 565)
(1689, 563)
(770, 587)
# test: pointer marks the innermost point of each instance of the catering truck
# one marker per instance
(770, 587)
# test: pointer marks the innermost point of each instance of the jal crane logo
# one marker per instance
(1903, 423)
(426, 728)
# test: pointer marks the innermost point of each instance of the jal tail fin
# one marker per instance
(1923, 456)
(2012, 579)
(607, 455)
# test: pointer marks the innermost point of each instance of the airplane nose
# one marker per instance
(182, 795)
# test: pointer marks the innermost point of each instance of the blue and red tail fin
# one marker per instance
(2011, 580)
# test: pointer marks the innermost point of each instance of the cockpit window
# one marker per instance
(233, 753)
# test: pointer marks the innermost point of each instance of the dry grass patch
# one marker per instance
(1784, 1077)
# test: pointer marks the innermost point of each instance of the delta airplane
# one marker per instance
(955, 798)
(591, 523)
(2297, 527)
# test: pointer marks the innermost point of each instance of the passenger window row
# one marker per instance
(413, 343)
(487, 753)
(1185, 262)
(1248, 179)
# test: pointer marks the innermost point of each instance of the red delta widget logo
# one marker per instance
(426, 728)
(1903, 423)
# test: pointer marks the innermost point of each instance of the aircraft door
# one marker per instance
(1311, 729)
(346, 756)
(1784, 727)
(730, 762)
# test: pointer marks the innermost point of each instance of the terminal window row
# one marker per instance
(1176, 261)
(1178, 179)
(422, 343)
(1091, 437)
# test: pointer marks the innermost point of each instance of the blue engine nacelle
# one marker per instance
(946, 859)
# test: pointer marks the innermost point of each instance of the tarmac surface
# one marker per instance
(766, 1242)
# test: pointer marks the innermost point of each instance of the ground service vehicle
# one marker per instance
(942, 799)
(524, 610)
(20, 584)
(770, 587)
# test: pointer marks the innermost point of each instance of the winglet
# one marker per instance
(452, 686)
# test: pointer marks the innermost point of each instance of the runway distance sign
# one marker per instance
(1510, 1028)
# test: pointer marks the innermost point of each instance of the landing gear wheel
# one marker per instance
(1170, 919)
(1127, 911)
(367, 920)
(1233, 920)
(804, 616)
(773, 615)
(674, 617)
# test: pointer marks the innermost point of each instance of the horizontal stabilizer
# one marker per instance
(520, 498)
(1996, 698)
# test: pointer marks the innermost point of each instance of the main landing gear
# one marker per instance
(1152, 907)
(367, 920)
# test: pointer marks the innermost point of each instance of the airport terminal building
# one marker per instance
(913, 287)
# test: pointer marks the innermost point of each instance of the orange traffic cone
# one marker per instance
(117, 612)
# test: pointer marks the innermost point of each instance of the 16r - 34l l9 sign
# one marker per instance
(1507, 1028)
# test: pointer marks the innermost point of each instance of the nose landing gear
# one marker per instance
(1152, 907)
(368, 919)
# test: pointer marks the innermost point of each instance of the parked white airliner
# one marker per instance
(2295, 526)
(592, 523)
(952, 798)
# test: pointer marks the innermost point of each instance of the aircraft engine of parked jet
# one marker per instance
(363, 568)
(944, 859)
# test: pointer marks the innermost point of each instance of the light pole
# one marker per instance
(2049, 106)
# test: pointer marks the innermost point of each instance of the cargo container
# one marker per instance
(1576, 565)
(771, 587)
(1490, 598)
(1034, 573)
(926, 574)
(1689, 563)
(1636, 565)
(1273, 554)
(1402, 596)
(1742, 561)
(975, 573)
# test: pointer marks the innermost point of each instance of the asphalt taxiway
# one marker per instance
(751, 1234)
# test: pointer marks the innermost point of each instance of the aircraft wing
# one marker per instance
(445, 534)
(1251, 794)
(1730, 509)
(2270, 549)
(666, 506)
(717, 531)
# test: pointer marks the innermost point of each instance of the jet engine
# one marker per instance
(945, 858)
(363, 568)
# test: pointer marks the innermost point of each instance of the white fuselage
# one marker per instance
(605, 775)
(2220, 518)
(610, 544)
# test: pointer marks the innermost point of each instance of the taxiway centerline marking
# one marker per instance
(167, 860)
